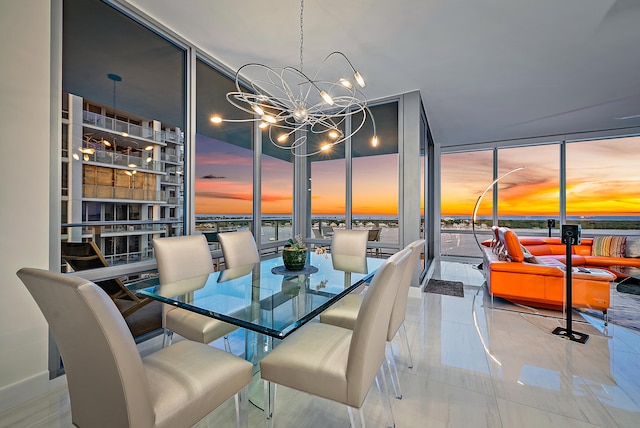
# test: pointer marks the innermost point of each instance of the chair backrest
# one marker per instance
(182, 257)
(105, 374)
(349, 242)
(86, 255)
(368, 341)
(400, 305)
(374, 235)
(238, 248)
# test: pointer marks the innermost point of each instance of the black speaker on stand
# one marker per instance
(570, 236)
(551, 223)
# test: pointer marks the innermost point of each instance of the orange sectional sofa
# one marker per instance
(537, 277)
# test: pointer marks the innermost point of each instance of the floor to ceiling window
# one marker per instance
(123, 127)
(527, 198)
(224, 158)
(603, 179)
(328, 189)
(375, 184)
(464, 176)
(276, 198)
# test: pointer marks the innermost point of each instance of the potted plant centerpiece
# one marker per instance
(295, 254)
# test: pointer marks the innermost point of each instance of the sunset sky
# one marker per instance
(603, 178)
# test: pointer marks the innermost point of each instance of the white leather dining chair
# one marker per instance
(110, 385)
(183, 257)
(337, 363)
(349, 242)
(238, 248)
(345, 312)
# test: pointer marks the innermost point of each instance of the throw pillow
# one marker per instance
(609, 246)
(632, 249)
(528, 257)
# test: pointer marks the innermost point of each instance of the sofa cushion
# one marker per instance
(609, 246)
(528, 257)
(511, 244)
(632, 248)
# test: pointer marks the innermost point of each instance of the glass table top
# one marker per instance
(273, 303)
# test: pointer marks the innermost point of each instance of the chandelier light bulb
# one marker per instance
(326, 147)
(124, 134)
(374, 141)
(359, 79)
(263, 125)
(148, 148)
(132, 165)
(216, 119)
(76, 157)
(128, 173)
(327, 98)
(282, 138)
(269, 119)
(333, 134)
(86, 157)
(258, 109)
(344, 82)
(106, 143)
(149, 159)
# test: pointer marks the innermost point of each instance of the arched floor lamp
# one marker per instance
(475, 208)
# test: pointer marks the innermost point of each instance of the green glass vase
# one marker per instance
(294, 258)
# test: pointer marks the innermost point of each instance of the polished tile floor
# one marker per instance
(477, 364)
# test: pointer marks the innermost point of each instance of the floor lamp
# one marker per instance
(475, 208)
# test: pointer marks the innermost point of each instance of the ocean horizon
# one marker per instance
(444, 217)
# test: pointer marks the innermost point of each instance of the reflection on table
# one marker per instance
(255, 298)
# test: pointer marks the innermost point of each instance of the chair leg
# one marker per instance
(605, 315)
(405, 340)
(242, 416)
(168, 337)
(393, 371)
(269, 403)
(227, 345)
(384, 396)
(356, 422)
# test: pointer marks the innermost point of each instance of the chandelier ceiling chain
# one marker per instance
(291, 105)
(301, 33)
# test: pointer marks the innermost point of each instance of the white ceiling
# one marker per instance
(487, 70)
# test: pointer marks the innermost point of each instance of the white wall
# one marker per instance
(25, 31)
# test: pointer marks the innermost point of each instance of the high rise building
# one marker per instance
(122, 179)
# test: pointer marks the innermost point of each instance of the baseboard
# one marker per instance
(28, 389)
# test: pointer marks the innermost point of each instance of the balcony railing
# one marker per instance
(122, 159)
(174, 179)
(175, 201)
(106, 192)
(130, 129)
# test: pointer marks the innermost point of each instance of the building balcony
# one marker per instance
(131, 130)
(121, 159)
(90, 191)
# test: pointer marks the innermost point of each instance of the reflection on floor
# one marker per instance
(474, 367)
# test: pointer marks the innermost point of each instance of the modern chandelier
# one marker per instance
(293, 105)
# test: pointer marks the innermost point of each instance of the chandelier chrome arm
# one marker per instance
(317, 107)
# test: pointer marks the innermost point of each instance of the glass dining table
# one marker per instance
(264, 297)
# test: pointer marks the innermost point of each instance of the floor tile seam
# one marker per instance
(571, 400)
(545, 411)
(604, 407)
